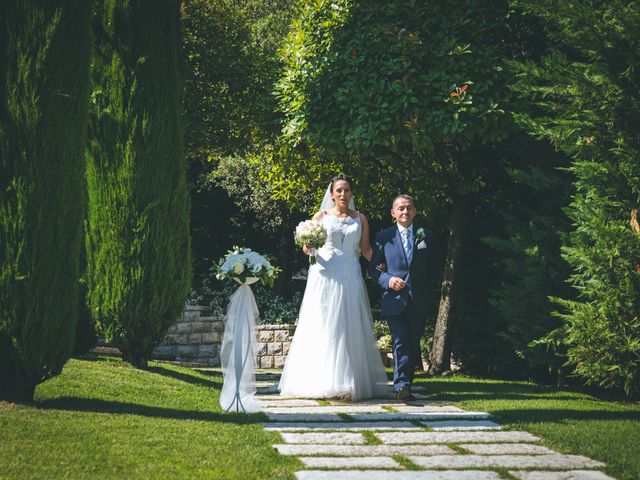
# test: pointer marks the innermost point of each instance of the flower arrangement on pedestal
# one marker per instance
(241, 263)
(238, 351)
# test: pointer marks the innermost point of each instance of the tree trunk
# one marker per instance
(439, 357)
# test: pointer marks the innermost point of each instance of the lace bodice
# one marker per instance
(343, 234)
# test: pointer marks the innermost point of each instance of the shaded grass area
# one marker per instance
(568, 421)
(104, 419)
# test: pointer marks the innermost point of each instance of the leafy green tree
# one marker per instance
(44, 87)
(232, 62)
(137, 234)
(401, 94)
(585, 94)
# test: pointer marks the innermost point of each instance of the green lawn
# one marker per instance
(568, 421)
(103, 419)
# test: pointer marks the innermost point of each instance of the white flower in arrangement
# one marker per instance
(241, 263)
(238, 268)
(312, 234)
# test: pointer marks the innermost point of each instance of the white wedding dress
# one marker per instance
(334, 351)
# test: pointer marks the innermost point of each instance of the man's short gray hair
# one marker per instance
(403, 196)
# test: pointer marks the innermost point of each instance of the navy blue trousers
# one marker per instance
(406, 331)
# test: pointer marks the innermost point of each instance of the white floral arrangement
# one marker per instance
(312, 234)
(241, 263)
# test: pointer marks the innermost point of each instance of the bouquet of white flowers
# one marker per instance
(242, 263)
(311, 233)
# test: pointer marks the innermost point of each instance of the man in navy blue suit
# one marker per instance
(402, 264)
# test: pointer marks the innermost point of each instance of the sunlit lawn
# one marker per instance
(104, 419)
(568, 421)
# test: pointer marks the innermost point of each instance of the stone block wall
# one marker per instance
(195, 339)
(273, 344)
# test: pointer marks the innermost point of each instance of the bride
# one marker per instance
(333, 352)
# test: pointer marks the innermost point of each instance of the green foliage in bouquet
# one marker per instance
(44, 86)
(586, 93)
(137, 240)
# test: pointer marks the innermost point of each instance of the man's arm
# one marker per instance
(376, 259)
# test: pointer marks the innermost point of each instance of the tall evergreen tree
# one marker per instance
(587, 94)
(138, 247)
(44, 86)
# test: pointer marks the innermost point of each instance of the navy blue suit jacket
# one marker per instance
(418, 276)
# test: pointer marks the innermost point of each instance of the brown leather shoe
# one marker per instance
(404, 395)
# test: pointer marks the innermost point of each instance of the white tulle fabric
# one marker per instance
(334, 351)
(328, 202)
(238, 352)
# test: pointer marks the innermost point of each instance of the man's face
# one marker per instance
(403, 211)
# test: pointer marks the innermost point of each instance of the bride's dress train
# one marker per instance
(334, 351)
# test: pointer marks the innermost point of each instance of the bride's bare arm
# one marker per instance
(365, 244)
(318, 216)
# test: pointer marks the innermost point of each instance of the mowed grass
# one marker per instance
(567, 421)
(104, 419)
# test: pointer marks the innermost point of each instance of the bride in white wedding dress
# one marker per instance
(334, 352)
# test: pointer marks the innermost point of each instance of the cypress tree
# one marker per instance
(44, 85)
(137, 232)
(586, 92)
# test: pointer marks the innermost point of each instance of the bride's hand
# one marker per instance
(307, 249)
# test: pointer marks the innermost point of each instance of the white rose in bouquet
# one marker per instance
(241, 263)
(312, 234)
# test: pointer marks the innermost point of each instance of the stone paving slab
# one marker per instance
(425, 408)
(364, 450)
(463, 425)
(406, 475)
(288, 402)
(428, 416)
(455, 437)
(506, 461)
(506, 449)
(337, 438)
(326, 409)
(349, 426)
(570, 475)
(304, 417)
(267, 388)
(350, 462)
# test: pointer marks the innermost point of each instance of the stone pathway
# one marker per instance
(383, 439)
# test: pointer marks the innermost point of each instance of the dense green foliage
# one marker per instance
(586, 94)
(397, 90)
(232, 62)
(138, 250)
(527, 231)
(44, 86)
